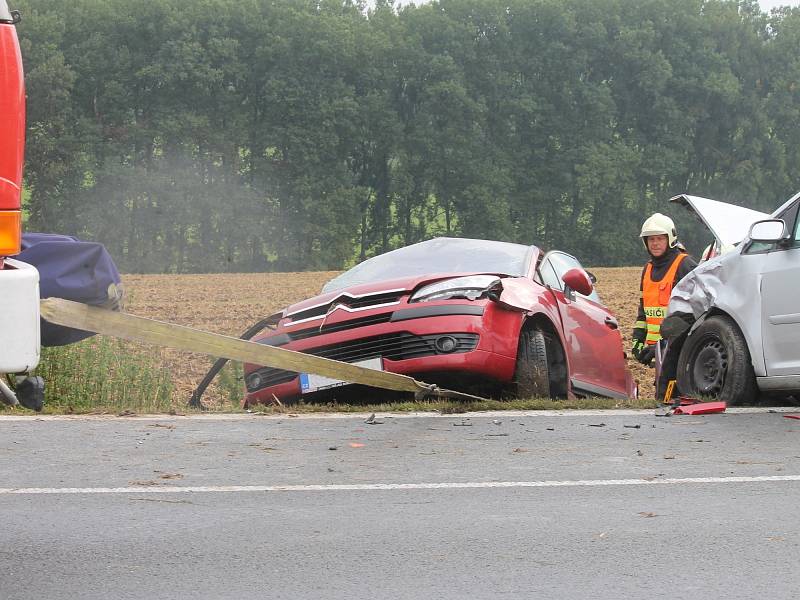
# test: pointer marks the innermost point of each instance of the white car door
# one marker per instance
(780, 303)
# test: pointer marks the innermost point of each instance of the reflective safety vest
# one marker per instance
(655, 297)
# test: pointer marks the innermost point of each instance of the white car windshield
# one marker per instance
(439, 255)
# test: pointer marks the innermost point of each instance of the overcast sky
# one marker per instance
(766, 5)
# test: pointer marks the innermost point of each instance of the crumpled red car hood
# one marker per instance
(406, 284)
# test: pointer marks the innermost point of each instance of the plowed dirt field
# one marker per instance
(230, 303)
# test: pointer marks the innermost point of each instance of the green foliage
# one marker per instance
(104, 374)
(231, 381)
(252, 135)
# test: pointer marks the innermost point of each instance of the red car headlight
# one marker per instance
(471, 287)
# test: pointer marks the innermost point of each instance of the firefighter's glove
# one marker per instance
(647, 355)
(636, 349)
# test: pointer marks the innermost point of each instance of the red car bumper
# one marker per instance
(411, 343)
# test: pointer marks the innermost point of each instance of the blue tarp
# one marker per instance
(75, 270)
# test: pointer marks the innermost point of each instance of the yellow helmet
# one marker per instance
(658, 224)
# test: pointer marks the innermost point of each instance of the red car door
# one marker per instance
(591, 333)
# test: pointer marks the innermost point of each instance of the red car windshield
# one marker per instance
(439, 255)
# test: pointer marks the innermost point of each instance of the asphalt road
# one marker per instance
(589, 505)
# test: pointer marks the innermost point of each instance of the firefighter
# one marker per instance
(668, 264)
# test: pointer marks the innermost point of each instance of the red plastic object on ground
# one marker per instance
(704, 408)
(791, 416)
(687, 401)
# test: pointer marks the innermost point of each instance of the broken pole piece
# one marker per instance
(668, 394)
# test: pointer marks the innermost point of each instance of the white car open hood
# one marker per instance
(729, 223)
(723, 282)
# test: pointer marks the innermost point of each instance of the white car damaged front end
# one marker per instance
(710, 289)
(740, 308)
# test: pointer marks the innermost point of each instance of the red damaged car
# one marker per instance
(470, 315)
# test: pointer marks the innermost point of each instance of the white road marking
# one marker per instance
(391, 486)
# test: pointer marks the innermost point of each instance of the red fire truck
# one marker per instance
(19, 282)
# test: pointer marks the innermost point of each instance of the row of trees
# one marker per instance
(236, 135)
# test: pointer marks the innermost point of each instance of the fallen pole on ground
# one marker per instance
(180, 337)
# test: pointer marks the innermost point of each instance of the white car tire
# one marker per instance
(715, 363)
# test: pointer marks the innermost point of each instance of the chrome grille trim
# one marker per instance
(345, 308)
(357, 299)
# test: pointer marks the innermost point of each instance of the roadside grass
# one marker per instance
(455, 406)
(230, 381)
(104, 374)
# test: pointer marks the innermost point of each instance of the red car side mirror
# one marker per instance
(578, 280)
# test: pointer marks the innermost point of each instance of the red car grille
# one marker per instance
(397, 346)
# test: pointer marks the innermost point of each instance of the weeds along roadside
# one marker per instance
(103, 374)
(108, 375)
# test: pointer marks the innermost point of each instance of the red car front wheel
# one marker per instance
(532, 375)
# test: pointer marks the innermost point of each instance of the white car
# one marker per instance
(745, 303)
